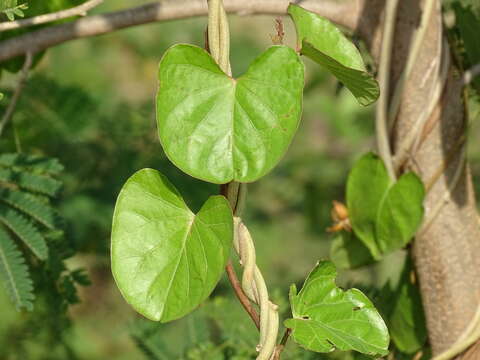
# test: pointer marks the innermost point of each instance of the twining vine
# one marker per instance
(167, 260)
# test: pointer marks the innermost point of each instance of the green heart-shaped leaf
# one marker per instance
(219, 129)
(165, 259)
(325, 317)
(325, 44)
(367, 184)
(400, 213)
(384, 215)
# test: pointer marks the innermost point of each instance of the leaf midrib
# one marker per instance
(174, 273)
(10, 276)
(341, 334)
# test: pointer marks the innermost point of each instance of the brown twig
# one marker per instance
(237, 288)
(47, 18)
(16, 94)
(344, 13)
(281, 346)
(232, 276)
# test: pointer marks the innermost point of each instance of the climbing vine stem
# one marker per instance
(253, 287)
(381, 125)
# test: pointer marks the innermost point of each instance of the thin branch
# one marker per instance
(280, 347)
(345, 13)
(16, 94)
(470, 74)
(47, 18)
(381, 126)
(237, 288)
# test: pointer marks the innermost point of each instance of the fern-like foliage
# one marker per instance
(31, 233)
(25, 230)
(14, 273)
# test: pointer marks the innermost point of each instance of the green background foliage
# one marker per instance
(90, 103)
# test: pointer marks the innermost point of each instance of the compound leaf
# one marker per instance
(219, 129)
(14, 273)
(326, 317)
(165, 259)
(324, 43)
(25, 230)
(32, 206)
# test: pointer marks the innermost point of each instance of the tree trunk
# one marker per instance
(447, 249)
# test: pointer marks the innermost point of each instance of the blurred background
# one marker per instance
(90, 103)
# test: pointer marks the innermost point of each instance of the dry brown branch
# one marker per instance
(16, 94)
(343, 12)
(80, 10)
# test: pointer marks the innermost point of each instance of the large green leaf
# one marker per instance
(384, 215)
(325, 317)
(220, 129)
(324, 43)
(165, 259)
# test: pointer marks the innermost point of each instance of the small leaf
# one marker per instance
(384, 215)
(165, 259)
(348, 252)
(367, 184)
(325, 317)
(14, 273)
(324, 43)
(25, 230)
(407, 320)
(31, 163)
(32, 206)
(10, 14)
(17, 11)
(400, 213)
(219, 129)
(31, 181)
